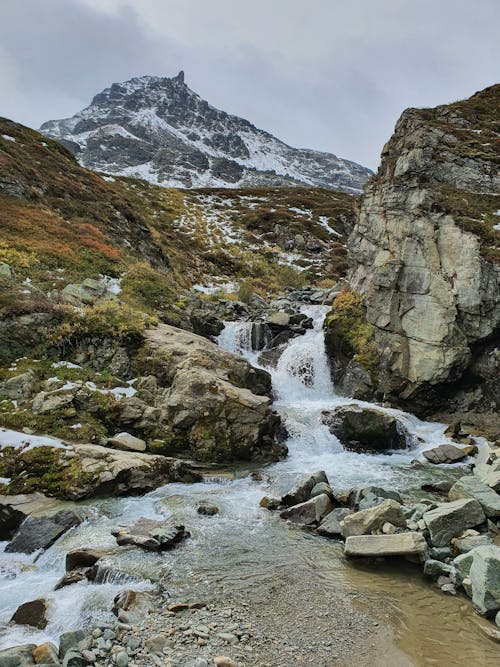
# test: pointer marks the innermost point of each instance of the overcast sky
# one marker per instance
(327, 74)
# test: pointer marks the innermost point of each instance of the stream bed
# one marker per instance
(246, 549)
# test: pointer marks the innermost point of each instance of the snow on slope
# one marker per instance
(158, 129)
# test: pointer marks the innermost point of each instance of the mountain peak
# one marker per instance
(158, 129)
(179, 78)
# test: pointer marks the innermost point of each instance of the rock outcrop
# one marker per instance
(211, 404)
(424, 256)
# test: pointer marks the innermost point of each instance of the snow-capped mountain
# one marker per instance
(158, 129)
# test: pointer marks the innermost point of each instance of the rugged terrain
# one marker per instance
(159, 129)
(424, 256)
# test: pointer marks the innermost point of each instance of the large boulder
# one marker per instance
(374, 546)
(365, 429)
(472, 487)
(214, 405)
(481, 567)
(10, 520)
(311, 512)
(91, 470)
(450, 519)
(372, 519)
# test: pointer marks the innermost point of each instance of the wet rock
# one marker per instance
(18, 656)
(85, 557)
(70, 578)
(472, 487)
(151, 535)
(127, 442)
(302, 491)
(450, 519)
(449, 453)
(207, 509)
(310, 512)
(31, 613)
(402, 544)
(10, 520)
(371, 520)
(270, 503)
(41, 532)
(46, 654)
(365, 429)
(330, 526)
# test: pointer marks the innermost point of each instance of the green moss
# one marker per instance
(348, 334)
(43, 469)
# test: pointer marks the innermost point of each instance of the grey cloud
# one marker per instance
(327, 74)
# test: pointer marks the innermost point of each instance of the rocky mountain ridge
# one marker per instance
(158, 129)
(424, 256)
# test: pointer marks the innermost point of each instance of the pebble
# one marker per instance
(121, 659)
(222, 661)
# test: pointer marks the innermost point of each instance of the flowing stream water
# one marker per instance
(247, 548)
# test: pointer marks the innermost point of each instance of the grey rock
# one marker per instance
(5, 271)
(127, 442)
(472, 487)
(41, 532)
(449, 519)
(309, 512)
(322, 487)
(150, 535)
(302, 491)
(436, 569)
(482, 567)
(401, 544)
(20, 386)
(71, 640)
(330, 526)
(207, 509)
(18, 656)
(371, 520)
(449, 453)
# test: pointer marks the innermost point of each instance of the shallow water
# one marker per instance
(248, 549)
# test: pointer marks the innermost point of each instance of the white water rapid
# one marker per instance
(244, 547)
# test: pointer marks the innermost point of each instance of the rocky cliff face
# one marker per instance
(425, 253)
(160, 130)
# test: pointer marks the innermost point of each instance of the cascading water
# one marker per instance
(244, 548)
